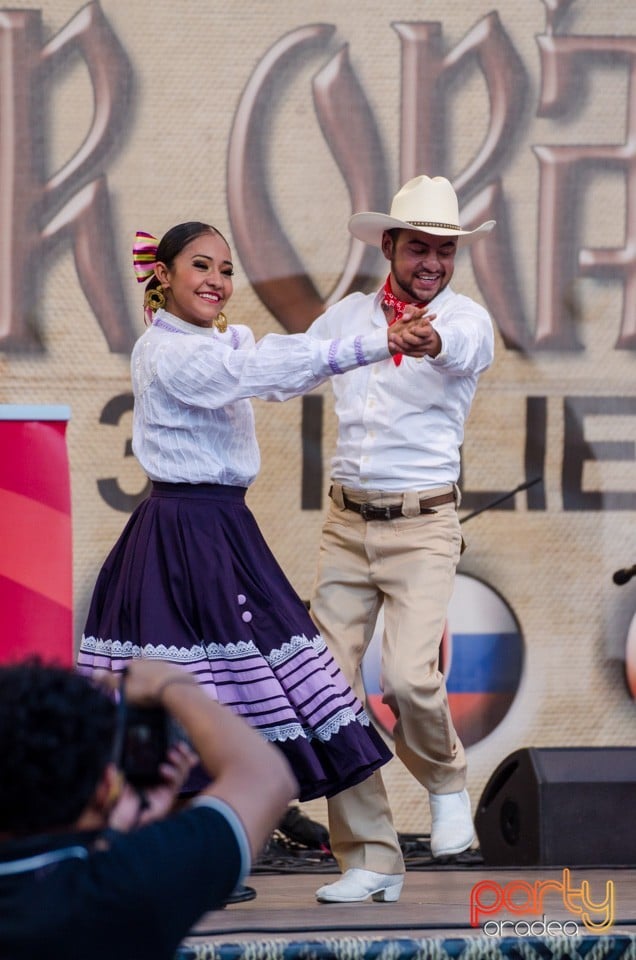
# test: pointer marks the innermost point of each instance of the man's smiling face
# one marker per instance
(422, 264)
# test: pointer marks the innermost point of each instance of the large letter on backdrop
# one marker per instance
(428, 76)
(564, 175)
(74, 201)
(274, 269)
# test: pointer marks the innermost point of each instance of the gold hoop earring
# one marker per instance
(154, 299)
(220, 323)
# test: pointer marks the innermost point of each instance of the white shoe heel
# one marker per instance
(388, 895)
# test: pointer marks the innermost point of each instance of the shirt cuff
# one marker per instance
(442, 355)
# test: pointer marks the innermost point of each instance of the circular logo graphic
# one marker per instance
(481, 657)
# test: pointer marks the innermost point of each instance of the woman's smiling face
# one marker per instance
(198, 283)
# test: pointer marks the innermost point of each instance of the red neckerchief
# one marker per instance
(390, 300)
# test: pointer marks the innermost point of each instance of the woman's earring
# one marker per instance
(220, 323)
(154, 299)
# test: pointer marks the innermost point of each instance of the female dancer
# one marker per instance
(191, 579)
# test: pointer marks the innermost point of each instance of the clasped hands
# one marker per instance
(414, 334)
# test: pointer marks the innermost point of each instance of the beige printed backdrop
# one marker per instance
(191, 62)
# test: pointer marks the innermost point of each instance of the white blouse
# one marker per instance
(193, 421)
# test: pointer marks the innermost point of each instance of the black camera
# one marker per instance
(143, 737)
(146, 736)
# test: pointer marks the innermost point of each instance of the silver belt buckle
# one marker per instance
(368, 511)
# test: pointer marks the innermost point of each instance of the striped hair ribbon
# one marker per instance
(144, 255)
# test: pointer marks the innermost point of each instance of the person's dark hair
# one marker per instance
(178, 237)
(56, 739)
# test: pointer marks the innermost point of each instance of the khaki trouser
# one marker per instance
(408, 564)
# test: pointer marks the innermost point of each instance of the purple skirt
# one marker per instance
(191, 580)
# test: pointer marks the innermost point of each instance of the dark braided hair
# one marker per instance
(56, 739)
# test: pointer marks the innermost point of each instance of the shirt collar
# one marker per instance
(167, 321)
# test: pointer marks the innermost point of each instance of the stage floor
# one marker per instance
(435, 903)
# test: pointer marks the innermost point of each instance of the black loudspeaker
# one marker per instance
(560, 806)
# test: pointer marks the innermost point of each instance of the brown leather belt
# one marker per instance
(369, 511)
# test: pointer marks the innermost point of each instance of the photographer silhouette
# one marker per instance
(89, 865)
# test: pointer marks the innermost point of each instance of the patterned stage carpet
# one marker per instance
(353, 948)
(431, 921)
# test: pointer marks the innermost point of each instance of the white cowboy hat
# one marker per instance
(428, 204)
